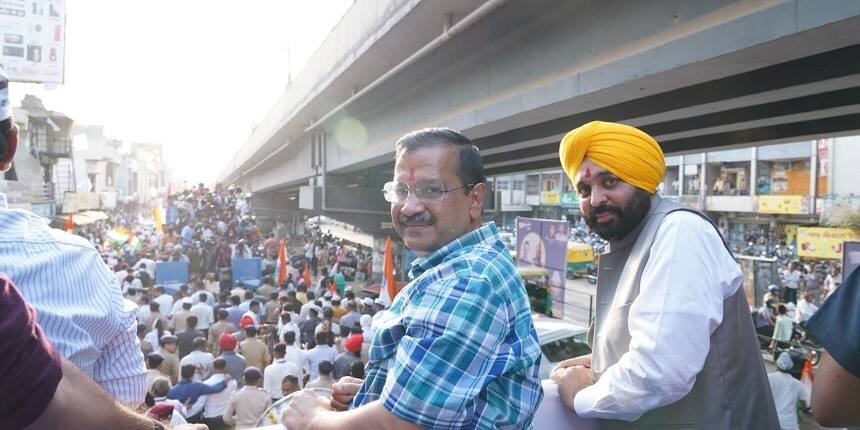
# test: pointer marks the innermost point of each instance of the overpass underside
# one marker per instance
(695, 75)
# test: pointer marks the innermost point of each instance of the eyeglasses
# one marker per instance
(398, 192)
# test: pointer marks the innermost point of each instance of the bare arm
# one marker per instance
(79, 403)
(835, 402)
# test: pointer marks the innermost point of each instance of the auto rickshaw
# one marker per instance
(579, 257)
(537, 288)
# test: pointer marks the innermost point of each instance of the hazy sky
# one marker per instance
(193, 75)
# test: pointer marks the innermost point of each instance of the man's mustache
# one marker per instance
(422, 218)
(603, 209)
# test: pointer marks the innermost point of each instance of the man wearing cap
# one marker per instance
(235, 363)
(672, 339)
(247, 405)
(787, 391)
(352, 346)
(219, 328)
(169, 344)
(64, 279)
(154, 368)
(457, 348)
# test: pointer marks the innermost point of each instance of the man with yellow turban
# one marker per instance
(673, 345)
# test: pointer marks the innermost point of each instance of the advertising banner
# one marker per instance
(543, 243)
(249, 271)
(782, 204)
(824, 242)
(34, 39)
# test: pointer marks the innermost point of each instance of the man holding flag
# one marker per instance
(457, 348)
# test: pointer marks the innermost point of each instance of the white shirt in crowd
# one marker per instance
(667, 352)
(290, 326)
(804, 311)
(298, 357)
(274, 374)
(786, 392)
(165, 303)
(200, 359)
(214, 404)
(791, 279)
(316, 355)
(204, 314)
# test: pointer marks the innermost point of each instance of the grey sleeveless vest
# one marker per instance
(731, 391)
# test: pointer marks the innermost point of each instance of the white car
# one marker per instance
(559, 340)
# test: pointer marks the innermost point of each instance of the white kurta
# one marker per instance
(680, 304)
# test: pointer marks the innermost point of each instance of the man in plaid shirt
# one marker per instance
(457, 348)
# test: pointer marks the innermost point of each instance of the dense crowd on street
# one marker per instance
(221, 353)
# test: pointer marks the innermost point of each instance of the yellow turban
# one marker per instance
(627, 152)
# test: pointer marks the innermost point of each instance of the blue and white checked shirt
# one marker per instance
(457, 348)
(77, 303)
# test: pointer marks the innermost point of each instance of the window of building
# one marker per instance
(110, 172)
(783, 178)
(729, 178)
(692, 183)
(532, 184)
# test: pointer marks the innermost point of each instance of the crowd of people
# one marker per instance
(219, 352)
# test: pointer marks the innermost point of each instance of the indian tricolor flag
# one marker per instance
(118, 236)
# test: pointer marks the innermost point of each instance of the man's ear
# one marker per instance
(476, 200)
(9, 150)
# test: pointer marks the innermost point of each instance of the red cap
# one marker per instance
(353, 342)
(227, 342)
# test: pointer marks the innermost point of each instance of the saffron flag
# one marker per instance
(282, 262)
(307, 275)
(70, 224)
(159, 220)
(389, 284)
(806, 375)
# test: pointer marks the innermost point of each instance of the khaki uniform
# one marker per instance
(246, 406)
(255, 352)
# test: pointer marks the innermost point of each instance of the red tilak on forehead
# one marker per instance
(587, 172)
(412, 174)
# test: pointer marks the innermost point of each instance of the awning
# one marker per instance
(82, 218)
(95, 215)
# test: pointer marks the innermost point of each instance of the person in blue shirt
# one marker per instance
(836, 325)
(187, 391)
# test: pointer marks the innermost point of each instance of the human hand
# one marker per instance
(343, 391)
(582, 360)
(302, 410)
(570, 381)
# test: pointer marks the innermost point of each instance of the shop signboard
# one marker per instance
(550, 198)
(781, 204)
(543, 243)
(824, 242)
(34, 39)
(569, 199)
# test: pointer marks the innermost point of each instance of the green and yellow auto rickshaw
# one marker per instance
(579, 257)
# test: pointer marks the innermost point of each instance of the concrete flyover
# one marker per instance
(515, 76)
